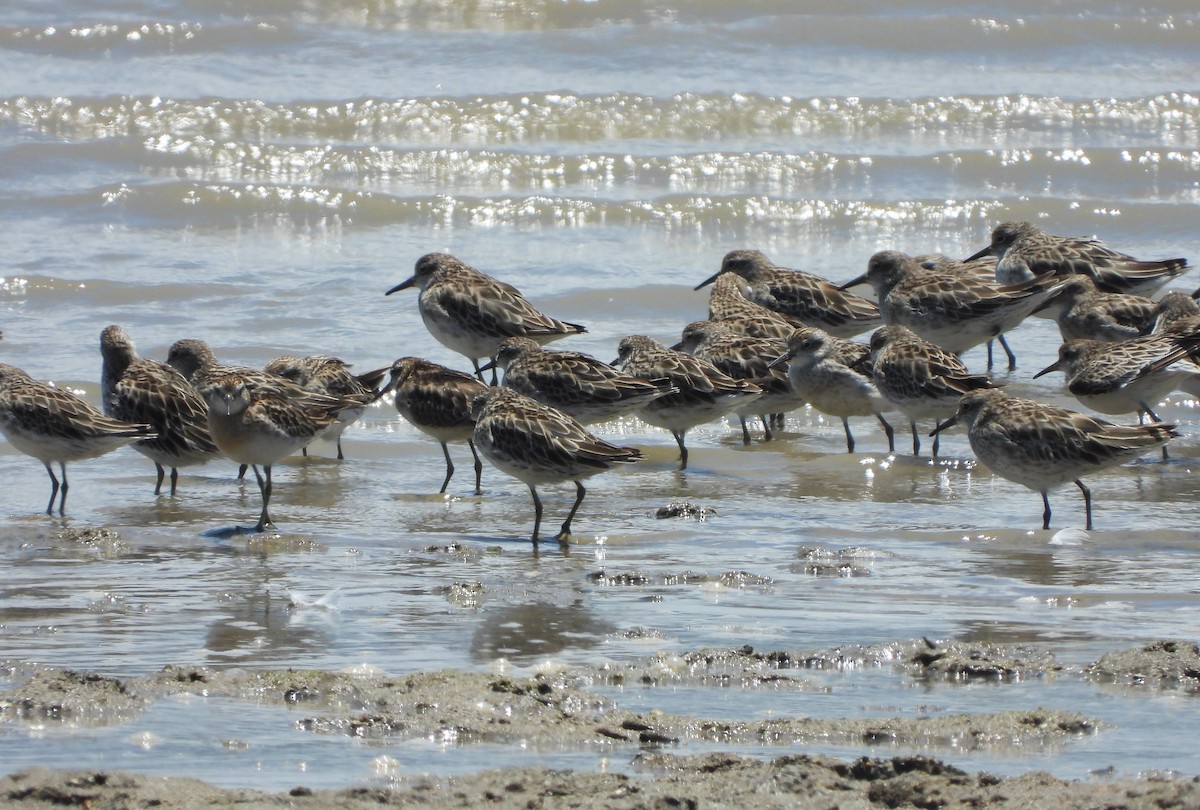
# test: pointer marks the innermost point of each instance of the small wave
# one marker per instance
(494, 121)
(125, 39)
(226, 204)
(1144, 173)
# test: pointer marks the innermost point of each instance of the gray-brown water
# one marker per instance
(258, 174)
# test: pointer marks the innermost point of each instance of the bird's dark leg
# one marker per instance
(683, 454)
(174, 480)
(745, 430)
(158, 468)
(478, 467)
(449, 468)
(53, 489)
(1046, 511)
(566, 527)
(891, 434)
(1146, 409)
(62, 504)
(916, 439)
(849, 435)
(1087, 503)
(264, 486)
(767, 426)
(537, 514)
(1012, 358)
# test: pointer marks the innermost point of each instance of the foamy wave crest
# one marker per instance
(225, 204)
(1145, 173)
(956, 121)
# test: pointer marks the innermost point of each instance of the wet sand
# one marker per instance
(559, 709)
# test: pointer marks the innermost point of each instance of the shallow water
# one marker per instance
(258, 176)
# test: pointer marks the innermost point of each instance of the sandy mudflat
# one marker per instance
(557, 709)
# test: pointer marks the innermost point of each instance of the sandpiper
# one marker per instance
(1083, 311)
(577, 384)
(1126, 377)
(331, 376)
(537, 444)
(744, 357)
(918, 378)
(834, 379)
(1025, 251)
(54, 425)
(704, 393)
(1044, 446)
(257, 425)
(728, 306)
(472, 313)
(437, 401)
(808, 298)
(144, 391)
(957, 310)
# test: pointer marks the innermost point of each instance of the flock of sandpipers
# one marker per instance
(775, 339)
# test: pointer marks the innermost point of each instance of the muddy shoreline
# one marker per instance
(558, 709)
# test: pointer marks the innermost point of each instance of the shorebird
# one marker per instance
(920, 379)
(195, 360)
(1025, 251)
(1125, 377)
(807, 298)
(54, 425)
(983, 268)
(331, 376)
(472, 313)
(744, 357)
(956, 311)
(537, 444)
(1177, 313)
(1044, 446)
(257, 425)
(729, 307)
(704, 392)
(1083, 311)
(437, 401)
(577, 384)
(835, 379)
(144, 391)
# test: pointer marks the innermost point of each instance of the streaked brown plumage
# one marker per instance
(331, 376)
(256, 425)
(1125, 377)
(918, 378)
(537, 444)
(54, 425)
(1024, 251)
(954, 310)
(437, 401)
(805, 297)
(834, 376)
(144, 391)
(473, 313)
(1043, 446)
(729, 307)
(1083, 311)
(577, 384)
(704, 393)
(744, 357)
(196, 361)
